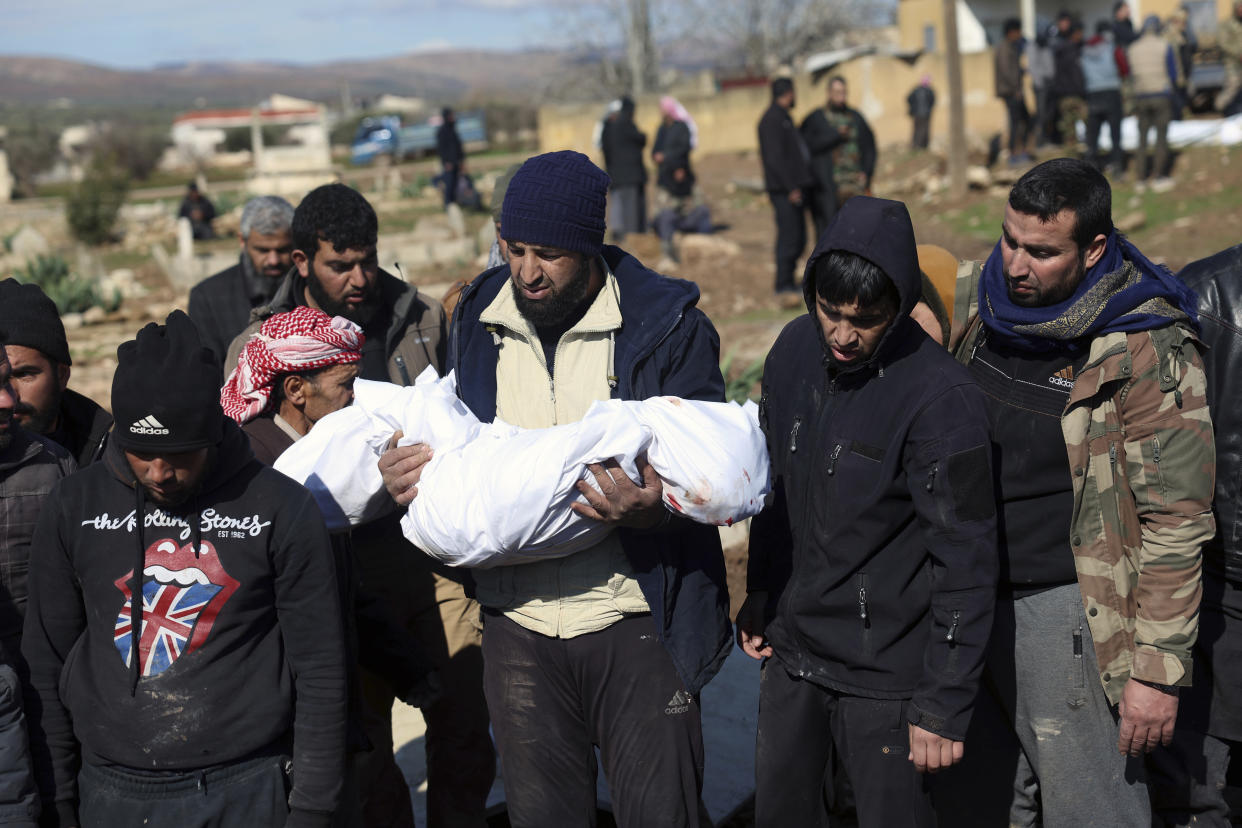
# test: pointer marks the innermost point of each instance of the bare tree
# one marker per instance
(758, 36)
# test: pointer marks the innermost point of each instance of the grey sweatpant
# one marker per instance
(1042, 743)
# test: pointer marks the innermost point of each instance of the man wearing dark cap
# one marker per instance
(610, 646)
(336, 270)
(38, 355)
(221, 693)
(787, 178)
(30, 466)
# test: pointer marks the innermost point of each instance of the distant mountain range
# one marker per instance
(437, 76)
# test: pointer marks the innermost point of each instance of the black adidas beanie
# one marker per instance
(30, 319)
(166, 390)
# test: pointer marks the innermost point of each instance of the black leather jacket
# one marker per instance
(1218, 281)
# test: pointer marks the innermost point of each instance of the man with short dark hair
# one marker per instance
(787, 178)
(872, 573)
(336, 270)
(184, 632)
(843, 153)
(38, 356)
(1007, 66)
(611, 645)
(1088, 357)
(220, 305)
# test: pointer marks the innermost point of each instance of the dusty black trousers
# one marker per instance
(553, 700)
(813, 742)
(790, 239)
(252, 793)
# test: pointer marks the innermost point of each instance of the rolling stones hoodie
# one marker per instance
(234, 651)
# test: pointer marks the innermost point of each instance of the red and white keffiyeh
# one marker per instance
(304, 339)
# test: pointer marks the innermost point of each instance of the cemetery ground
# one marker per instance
(734, 267)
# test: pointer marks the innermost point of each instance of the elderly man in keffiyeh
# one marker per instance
(300, 366)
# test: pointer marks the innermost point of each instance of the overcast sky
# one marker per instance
(140, 33)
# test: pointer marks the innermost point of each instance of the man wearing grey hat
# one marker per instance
(610, 646)
(38, 355)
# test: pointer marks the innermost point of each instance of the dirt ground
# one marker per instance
(735, 269)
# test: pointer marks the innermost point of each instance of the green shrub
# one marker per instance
(92, 206)
(741, 387)
(71, 293)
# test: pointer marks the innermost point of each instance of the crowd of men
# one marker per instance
(1085, 78)
(997, 583)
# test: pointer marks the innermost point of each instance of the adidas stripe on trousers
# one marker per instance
(553, 700)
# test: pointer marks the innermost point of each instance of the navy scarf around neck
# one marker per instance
(1124, 291)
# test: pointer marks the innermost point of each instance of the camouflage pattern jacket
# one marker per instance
(1142, 456)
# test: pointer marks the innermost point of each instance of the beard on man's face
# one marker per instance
(560, 304)
(1054, 295)
(359, 314)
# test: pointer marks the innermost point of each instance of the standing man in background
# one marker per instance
(787, 178)
(452, 154)
(622, 142)
(919, 104)
(1007, 64)
(842, 149)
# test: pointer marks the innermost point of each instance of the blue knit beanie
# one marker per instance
(557, 200)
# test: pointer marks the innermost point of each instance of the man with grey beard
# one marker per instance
(220, 305)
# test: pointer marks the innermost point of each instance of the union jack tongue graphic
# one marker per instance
(181, 596)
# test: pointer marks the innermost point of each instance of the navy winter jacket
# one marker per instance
(665, 345)
(878, 552)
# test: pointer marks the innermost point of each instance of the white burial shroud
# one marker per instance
(495, 494)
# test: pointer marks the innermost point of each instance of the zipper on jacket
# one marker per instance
(863, 613)
(1112, 458)
(832, 460)
(931, 485)
(793, 435)
(405, 375)
(951, 636)
(1155, 450)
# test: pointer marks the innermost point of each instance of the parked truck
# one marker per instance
(385, 136)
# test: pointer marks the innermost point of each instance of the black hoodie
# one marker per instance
(879, 549)
(243, 648)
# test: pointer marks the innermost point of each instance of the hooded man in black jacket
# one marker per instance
(232, 690)
(787, 178)
(872, 573)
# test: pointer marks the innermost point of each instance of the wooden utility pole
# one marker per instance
(957, 103)
(640, 50)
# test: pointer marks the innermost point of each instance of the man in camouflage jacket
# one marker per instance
(1088, 356)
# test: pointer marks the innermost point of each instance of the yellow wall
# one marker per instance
(728, 121)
